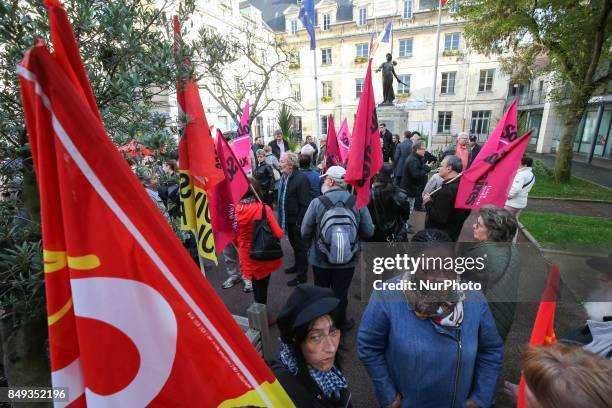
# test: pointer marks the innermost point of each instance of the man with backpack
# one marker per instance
(333, 228)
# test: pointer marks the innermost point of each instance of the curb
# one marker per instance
(540, 248)
(592, 182)
(582, 200)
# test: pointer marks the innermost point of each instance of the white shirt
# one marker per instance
(521, 186)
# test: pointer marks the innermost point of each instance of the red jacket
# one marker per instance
(246, 215)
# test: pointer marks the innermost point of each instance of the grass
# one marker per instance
(545, 186)
(561, 231)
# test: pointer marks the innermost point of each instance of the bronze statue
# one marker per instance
(387, 77)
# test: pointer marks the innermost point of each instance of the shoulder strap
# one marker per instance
(529, 182)
(351, 201)
(326, 201)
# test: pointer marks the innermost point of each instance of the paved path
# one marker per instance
(586, 208)
(600, 173)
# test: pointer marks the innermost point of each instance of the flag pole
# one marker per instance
(435, 78)
(316, 85)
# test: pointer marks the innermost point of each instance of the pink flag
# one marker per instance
(332, 150)
(242, 143)
(365, 156)
(344, 141)
(488, 181)
(507, 125)
(224, 196)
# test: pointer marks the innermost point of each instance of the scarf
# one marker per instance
(429, 306)
(330, 382)
(282, 200)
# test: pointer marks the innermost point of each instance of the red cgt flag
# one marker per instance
(131, 320)
(543, 332)
(332, 150)
(225, 195)
(365, 156)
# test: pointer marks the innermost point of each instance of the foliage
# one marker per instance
(545, 186)
(568, 40)
(256, 59)
(570, 231)
(360, 60)
(294, 66)
(285, 118)
(326, 98)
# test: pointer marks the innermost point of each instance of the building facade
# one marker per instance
(471, 90)
(546, 118)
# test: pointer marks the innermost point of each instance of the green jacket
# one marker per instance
(499, 279)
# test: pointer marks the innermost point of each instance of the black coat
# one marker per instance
(387, 141)
(304, 391)
(390, 210)
(276, 150)
(414, 175)
(402, 151)
(298, 197)
(441, 211)
(474, 150)
(265, 175)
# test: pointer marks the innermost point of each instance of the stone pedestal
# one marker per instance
(395, 118)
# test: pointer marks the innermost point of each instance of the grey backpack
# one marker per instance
(338, 231)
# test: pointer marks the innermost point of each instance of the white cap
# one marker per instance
(335, 172)
(307, 150)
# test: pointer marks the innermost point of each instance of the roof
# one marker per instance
(272, 11)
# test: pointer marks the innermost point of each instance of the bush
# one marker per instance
(540, 169)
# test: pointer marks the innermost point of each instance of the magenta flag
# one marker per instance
(488, 181)
(344, 141)
(507, 125)
(365, 154)
(224, 196)
(332, 151)
(242, 143)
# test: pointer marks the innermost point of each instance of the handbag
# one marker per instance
(264, 245)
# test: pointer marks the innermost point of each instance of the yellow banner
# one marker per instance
(195, 215)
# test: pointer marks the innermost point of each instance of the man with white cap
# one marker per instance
(332, 228)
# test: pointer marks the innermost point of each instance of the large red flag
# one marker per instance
(131, 321)
(199, 166)
(332, 150)
(365, 156)
(543, 332)
(488, 181)
(507, 126)
(225, 195)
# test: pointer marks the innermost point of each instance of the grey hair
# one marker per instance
(419, 144)
(500, 223)
(454, 162)
(260, 151)
(278, 131)
(291, 159)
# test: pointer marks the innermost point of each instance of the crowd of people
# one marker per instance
(419, 350)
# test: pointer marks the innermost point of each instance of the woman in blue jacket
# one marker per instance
(423, 352)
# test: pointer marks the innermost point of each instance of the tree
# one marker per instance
(127, 52)
(574, 35)
(242, 66)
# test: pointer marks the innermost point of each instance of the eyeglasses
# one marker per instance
(317, 338)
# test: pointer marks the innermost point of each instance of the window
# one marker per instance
(401, 88)
(358, 87)
(448, 83)
(293, 27)
(296, 92)
(444, 122)
(480, 122)
(451, 41)
(296, 122)
(259, 127)
(405, 46)
(223, 122)
(326, 56)
(326, 21)
(294, 57)
(363, 16)
(271, 126)
(486, 80)
(362, 50)
(327, 89)
(323, 125)
(408, 8)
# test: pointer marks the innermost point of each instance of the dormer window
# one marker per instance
(408, 6)
(293, 27)
(326, 21)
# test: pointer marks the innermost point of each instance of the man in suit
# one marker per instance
(387, 138)
(402, 151)
(474, 148)
(279, 145)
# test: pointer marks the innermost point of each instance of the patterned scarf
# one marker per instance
(282, 200)
(331, 382)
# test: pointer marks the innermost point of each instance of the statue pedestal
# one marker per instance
(396, 119)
